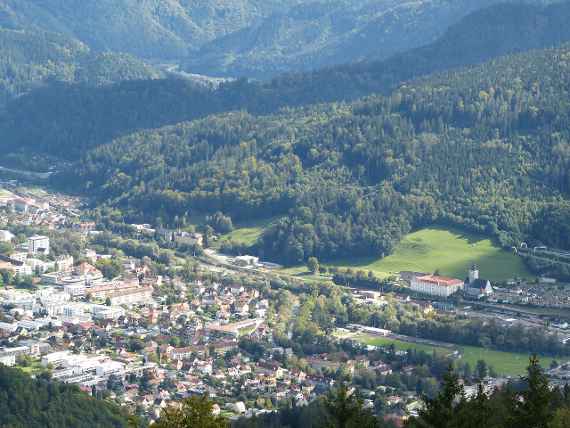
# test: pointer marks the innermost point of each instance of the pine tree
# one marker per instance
(533, 409)
(439, 412)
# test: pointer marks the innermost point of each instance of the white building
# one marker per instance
(132, 297)
(64, 264)
(75, 289)
(108, 368)
(434, 285)
(19, 299)
(55, 358)
(6, 236)
(107, 312)
(38, 244)
(74, 310)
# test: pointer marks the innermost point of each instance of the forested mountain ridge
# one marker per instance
(29, 59)
(485, 148)
(69, 118)
(245, 37)
(39, 403)
(162, 29)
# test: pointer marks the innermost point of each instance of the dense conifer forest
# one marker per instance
(40, 403)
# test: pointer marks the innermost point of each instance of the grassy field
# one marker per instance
(401, 345)
(505, 363)
(449, 251)
(247, 233)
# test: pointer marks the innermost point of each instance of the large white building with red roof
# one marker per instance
(434, 285)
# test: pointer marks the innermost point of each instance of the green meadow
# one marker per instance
(504, 363)
(247, 233)
(448, 251)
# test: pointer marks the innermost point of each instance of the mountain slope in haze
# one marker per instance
(498, 30)
(485, 148)
(31, 58)
(245, 37)
(163, 29)
(69, 119)
(317, 35)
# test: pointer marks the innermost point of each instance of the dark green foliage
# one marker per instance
(345, 410)
(535, 405)
(40, 403)
(196, 412)
(220, 222)
(485, 149)
(29, 59)
(341, 408)
(439, 411)
(69, 119)
(111, 268)
(534, 409)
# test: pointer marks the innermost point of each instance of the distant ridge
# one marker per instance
(69, 119)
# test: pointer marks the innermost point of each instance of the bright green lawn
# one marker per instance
(401, 345)
(247, 233)
(505, 363)
(449, 251)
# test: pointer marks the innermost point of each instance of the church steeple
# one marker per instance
(473, 274)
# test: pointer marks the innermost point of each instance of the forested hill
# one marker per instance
(40, 403)
(163, 29)
(489, 33)
(251, 37)
(29, 59)
(318, 34)
(69, 119)
(485, 148)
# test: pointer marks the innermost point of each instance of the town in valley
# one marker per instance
(146, 315)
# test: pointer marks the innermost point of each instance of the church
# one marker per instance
(477, 287)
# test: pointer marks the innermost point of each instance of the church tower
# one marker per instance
(473, 274)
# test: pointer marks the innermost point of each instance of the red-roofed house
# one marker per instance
(434, 285)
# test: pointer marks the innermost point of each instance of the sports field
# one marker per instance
(448, 251)
(504, 363)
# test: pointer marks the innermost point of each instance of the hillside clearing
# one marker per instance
(247, 233)
(449, 251)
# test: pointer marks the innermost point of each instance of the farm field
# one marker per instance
(505, 363)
